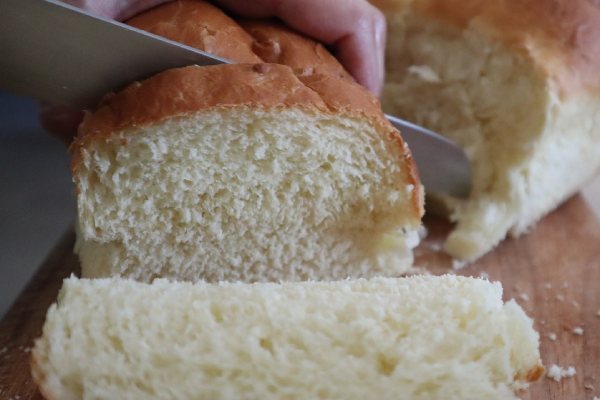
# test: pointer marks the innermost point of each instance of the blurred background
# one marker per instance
(36, 202)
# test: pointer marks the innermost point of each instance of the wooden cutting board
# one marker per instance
(553, 272)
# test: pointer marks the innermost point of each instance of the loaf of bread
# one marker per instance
(410, 338)
(516, 83)
(243, 172)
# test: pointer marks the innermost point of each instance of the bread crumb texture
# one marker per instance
(409, 338)
(501, 80)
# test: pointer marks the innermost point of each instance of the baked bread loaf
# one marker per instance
(516, 83)
(410, 338)
(242, 172)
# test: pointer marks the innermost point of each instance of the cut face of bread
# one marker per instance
(241, 172)
(415, 338)
(493, 77)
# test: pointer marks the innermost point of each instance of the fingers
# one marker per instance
(363, 55)
(60, 121)
(354, 28)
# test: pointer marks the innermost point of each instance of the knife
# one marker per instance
(61, 54)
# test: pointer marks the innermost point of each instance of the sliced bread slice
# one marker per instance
(410, 338)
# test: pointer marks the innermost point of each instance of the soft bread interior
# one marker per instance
(530, 147)
(245, 194)
(415, 338)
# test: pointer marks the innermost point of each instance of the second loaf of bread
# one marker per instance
(516, 84)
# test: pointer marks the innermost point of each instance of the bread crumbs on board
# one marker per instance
(578, 331)
(557, 373)
(524, 296)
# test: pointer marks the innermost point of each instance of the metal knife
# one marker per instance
(61, 54)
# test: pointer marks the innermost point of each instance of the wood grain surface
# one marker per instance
(553, 272)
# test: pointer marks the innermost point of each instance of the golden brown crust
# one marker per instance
(532, 375)
(535, 373)
(201, 25)
(562, 37)
(275, 43)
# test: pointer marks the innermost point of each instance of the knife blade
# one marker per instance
(61, 54)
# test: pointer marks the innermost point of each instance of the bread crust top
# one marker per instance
(561, 37)
(183, 91)
(275, 43)
(201, 25)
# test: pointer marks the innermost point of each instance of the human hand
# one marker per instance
(353, 28)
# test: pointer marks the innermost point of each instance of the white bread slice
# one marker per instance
(516, 83)
(244, 172)
(410, 338)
